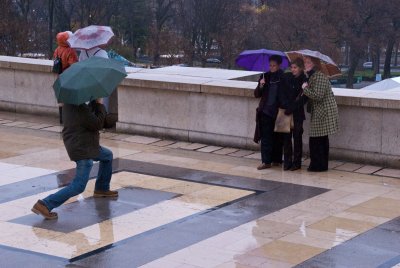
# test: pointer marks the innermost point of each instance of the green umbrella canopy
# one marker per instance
(89, 80)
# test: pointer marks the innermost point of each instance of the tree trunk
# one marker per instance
(346, 56)
(377, 60)
(354, 59)
(388, 57)
(156, 59)
(51, 13)
(135, 50)
(396, 52)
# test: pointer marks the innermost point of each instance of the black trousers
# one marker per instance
(60, 114)
(271, 142)
(292, 152)
(319, 153)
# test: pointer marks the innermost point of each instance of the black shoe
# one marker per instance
(295, 167)
(263, 166)
(287, 167)
(316, 170)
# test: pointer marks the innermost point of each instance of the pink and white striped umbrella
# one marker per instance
(90, 37)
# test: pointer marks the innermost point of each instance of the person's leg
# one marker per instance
(105, 169)
(77, 186)
(325, 158)
(313, 152)
(318, 156)
(298, 143)
(102, 187)
(287, 151)
(277, 149)
(60, 114)
(267, 129)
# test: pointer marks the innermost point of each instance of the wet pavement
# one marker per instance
(190, 205)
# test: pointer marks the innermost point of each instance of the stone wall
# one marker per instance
(26, 86)
(210, 107)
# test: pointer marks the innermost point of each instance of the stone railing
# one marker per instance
(26, 85)
(210, 106)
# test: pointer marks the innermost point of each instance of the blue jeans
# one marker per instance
(78, 184)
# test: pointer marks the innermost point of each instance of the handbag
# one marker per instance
(57, 65)
(283, 123)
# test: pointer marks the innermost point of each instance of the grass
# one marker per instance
(370, 73)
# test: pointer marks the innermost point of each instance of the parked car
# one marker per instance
(213, 60)
(182, 65)
(367, 64)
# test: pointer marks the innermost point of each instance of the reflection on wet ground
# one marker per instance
(185, 208)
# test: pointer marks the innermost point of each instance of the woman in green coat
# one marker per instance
(324, 114)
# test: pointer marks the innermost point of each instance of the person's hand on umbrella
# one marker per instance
(262, 82)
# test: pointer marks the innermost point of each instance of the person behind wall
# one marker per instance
(324, 114)
(82, 141)
(68, 57)
(271, 90)
(296, 101)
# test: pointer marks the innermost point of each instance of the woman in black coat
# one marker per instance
(296, 101)
(271, 90)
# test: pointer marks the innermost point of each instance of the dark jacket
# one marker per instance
(295, 97)
(81, 130)
(264, 94)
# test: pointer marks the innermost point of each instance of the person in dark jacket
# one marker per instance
(271, 90)
(82, 140)
(296, 102)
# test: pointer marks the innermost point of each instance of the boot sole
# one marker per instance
(34, 210)
(100, 195)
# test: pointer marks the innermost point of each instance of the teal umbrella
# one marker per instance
(89, 80)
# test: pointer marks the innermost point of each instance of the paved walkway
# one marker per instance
(191, 205)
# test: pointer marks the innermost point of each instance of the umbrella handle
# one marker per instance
(263, 64)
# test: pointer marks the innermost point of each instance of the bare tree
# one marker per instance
(8, 35)
(201, 22)
(50, 33)
(98, 12)
(391, 11)
(238, 24)
(131, 25)
(163, 11)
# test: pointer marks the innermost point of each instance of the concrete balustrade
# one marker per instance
(210, 106)
(26, 85)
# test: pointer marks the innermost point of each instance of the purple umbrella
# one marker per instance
(258, 60)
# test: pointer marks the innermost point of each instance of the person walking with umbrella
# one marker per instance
(89, 80)
(272, 91)
(324, 113)
(81, 139)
